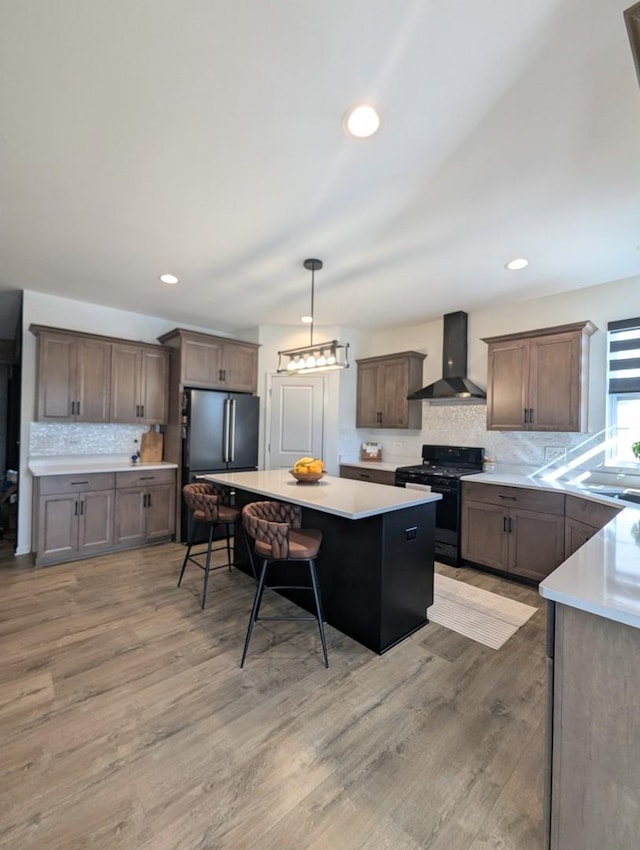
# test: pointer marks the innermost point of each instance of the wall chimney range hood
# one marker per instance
(454, 386)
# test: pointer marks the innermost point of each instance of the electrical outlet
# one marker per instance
(555, 453)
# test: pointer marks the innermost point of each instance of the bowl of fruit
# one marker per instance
(308, 470)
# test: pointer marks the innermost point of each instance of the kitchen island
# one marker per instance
(375, 565)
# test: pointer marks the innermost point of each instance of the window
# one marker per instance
(624, 391)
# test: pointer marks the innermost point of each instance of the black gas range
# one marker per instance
(441, 469)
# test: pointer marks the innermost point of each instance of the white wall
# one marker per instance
(465, 423)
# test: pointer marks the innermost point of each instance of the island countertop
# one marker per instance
(338, 496)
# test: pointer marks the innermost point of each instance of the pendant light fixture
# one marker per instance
(315, 357)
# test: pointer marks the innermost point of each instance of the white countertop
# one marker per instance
(73, 464)
(603, 576)
(339, 496)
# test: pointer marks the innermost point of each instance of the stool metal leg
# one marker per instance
(257, 599)
(191, 533)
(229, 544)
(314, 583)
(207, 563)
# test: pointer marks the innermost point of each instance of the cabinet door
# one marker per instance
(554, 382)
(576, 534)
(536, 543)
(483, 534)
(507, 385)
(240, 367)
(130, 516)
(201, 363)
(93, 380)
(367, 409)
(154, 383)
(159, 511)
(95, 522)
(125, 383)
(393, 390)
(57, 526)
(57, 364)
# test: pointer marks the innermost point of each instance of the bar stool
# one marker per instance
(275, 529)
(206, 505)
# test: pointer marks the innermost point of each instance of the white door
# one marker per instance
(296, 428)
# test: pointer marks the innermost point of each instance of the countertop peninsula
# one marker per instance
(603, 576)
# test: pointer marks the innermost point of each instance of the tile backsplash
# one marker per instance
(465, 425)
(62, 438)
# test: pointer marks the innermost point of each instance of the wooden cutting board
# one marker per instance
(151, 444)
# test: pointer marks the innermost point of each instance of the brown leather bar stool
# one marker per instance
(206, 503)
(275, 529)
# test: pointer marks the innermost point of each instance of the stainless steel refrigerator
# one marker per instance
(219, 434)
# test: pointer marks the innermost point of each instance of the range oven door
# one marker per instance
(447, 533)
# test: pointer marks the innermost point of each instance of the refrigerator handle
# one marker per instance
(232, 430)
(226, 427)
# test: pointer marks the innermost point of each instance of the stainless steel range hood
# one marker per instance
(454, 384)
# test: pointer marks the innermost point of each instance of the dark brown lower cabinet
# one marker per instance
(583, 520)
(78, 516)
(144, 513)
(373, 475)
(512, 529)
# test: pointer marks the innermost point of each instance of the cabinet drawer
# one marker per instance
(144, 478)
(514, 497)
(375, 476)
(590, 513)
(79, 483)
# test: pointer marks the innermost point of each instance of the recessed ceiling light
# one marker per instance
(361, 121)
(306, 319)
(168, 278)
(518, 263)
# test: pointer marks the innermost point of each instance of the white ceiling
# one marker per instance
(203, 138)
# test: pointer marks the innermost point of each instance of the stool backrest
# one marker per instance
(204, 498)
(270, 523)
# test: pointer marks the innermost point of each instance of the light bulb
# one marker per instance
(322, 360)
(310, 361)
(331, 360)
(291, 365)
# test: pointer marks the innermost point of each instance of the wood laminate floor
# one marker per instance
(127, 723)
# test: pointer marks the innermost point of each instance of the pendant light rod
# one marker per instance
(313, 266)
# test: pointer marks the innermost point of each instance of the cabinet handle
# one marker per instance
(509, 498)
(142, 411)
(77, 408)
(504, 524)
(364, 475)
(75, 513)
(149, 500)
(77, 483)
(510, 525)
(147, 478)
(526, 415)
(81, 508)
(531, 415)
(220, 378)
